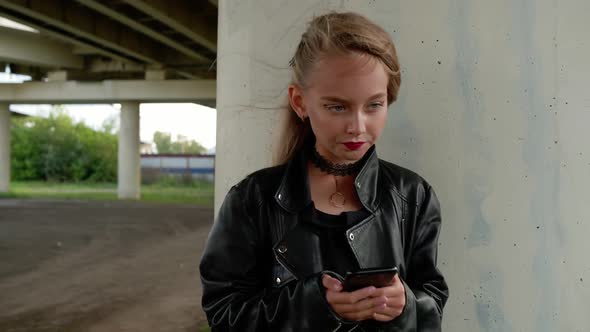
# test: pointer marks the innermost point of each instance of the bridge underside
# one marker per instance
(113, 51)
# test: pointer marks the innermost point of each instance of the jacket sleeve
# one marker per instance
(426, 289)
(235, 297)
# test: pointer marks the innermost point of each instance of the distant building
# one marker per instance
(155, 166)
(147, 148)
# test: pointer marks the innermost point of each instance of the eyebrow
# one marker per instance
(340, 100)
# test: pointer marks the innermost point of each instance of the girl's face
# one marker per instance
(346, 102)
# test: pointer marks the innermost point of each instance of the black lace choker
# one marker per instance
(334, 168)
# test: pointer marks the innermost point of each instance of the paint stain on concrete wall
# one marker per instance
(488, 304)
(540, 154)
(476, 188)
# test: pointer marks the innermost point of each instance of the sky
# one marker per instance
(194, 121)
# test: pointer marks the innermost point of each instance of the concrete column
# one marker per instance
(129, 160)
(493, 112)
(4, 148)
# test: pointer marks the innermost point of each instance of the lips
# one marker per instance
(353, 145)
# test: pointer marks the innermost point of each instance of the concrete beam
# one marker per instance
(73, 92)
(32, 49)
(129, 169)
(4, 148)
(115, 15)
(58, 75)
(155, 75)
(80, 47)
(181, 18)
(99, 65)
(86, 25)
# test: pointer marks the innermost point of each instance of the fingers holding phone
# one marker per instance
(377, 277)
(355, 306)
(367, 294)
(395, 303)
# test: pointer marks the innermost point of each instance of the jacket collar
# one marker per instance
(293, 193)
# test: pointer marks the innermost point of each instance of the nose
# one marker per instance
(357, 124)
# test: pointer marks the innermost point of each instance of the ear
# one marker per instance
(296, 101)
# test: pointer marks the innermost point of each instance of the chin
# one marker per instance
(356, 155)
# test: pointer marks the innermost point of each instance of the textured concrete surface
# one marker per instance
(493, 111)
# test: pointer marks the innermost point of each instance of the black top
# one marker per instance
(337, 255)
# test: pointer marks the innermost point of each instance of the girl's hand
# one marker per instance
(358, 305)
(395, 299)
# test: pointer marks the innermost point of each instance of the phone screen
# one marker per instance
(369, 277)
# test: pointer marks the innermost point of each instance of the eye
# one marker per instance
(335, 108)
(376, 105)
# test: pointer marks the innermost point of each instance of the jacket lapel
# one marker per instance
(375, 243)
(299, 249)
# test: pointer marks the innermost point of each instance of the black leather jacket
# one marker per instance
(261, 268)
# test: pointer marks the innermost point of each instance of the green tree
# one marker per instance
(58, 149)
(182, 145)
(163, 142)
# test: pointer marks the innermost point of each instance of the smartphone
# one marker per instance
(379, 277)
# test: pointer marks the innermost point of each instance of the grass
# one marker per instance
(165, 191)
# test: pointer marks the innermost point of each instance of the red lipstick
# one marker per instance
(353, 145)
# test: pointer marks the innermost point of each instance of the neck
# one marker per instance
(324, 188)
(333, 168)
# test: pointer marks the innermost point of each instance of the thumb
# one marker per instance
(331, 283)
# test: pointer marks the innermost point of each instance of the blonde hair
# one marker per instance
(327, 34)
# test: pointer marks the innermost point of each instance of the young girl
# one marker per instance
(286, 235)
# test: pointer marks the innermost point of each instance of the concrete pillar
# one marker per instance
(493, 112)
(129, 159)
(4, 148)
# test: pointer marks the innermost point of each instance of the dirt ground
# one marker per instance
(100, 266)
